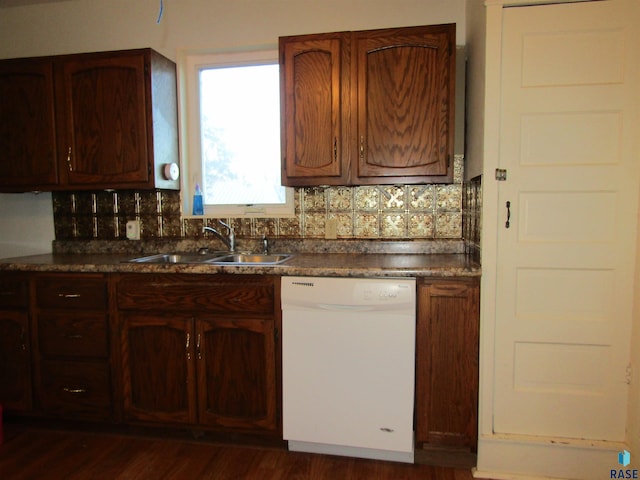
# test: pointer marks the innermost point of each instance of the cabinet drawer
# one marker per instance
(227, 294)
(78, 390)
(73, 335)
(71, 293)
(13, 292)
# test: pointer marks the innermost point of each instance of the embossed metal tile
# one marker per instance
(367, 199)
(340, 199)
(421, 197)
(366, 225)
(393, 197)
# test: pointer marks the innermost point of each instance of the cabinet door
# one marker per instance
(236, 373)
(158, 367)
(447, 364)
(103, 114)
(27, 131)
(314, 83)
(405, 101)
(15, 373)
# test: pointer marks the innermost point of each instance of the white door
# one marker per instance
(565, 264)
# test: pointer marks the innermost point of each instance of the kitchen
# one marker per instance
(103, 27)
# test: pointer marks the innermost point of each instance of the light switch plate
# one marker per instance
(133, 230)
(331, 229)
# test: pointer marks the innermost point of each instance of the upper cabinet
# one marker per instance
(88, 121)
(27, 124)
(314, 85)
(368, 107)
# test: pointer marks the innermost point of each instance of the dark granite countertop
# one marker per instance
(303, 264)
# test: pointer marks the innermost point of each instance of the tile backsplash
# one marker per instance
(364, 212)
(472, 216)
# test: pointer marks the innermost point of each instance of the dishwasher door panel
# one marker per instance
(348, 377)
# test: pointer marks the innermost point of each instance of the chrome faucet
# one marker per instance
(229, 240)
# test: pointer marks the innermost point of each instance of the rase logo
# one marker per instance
(624, 459)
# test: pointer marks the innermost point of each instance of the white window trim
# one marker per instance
(189, 64)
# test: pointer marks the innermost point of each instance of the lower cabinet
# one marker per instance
(447, 364)
(200, 350)
(70, 338)
(15, 352)
(236, 368)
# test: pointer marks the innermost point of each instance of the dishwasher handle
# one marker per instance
(344, 308)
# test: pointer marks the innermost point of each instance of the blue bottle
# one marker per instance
(198, 207)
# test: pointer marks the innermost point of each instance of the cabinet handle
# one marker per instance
(335, 149)
(69, 295)
(362, 146)
(69, 160)
(198, 347)
(7, 293)
(23, 343)
(507, 224)
(74, 390)
(73, 336)
(187, 346)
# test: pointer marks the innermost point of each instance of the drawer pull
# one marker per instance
(7, 293)
(69, 295)
(73, 336)
(74, 390)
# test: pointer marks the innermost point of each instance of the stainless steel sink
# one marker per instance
(251, 259)
(218, 258)
(170, 258)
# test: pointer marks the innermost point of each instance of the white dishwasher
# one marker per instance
(348, 366)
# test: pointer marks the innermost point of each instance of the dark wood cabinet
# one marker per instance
(237, 373)
(447, 347)
(200, 350)
(72, 367)
(88, 121)
(314, 71)
(28, 146)
(368, 107)
(405, 104)
(158, 367)
(15, 351)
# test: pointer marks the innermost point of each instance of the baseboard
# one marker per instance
(511, 457)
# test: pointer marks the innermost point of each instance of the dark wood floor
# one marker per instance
(57, 454)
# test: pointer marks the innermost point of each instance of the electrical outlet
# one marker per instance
(133, 229)
(331, 229)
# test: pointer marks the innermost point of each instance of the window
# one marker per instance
(232, 127)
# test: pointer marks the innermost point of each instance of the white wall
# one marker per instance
(59, 27)
(90, 25)
(26, 224)
(475, 34)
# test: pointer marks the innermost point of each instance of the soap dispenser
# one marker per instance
(198, 207)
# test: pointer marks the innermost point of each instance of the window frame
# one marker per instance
(191, 62)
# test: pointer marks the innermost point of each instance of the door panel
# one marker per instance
(106, 123)
(159, 376)
(236, 373)
(404, 99)
(313, 92)
(565, 268)
(27, 139)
